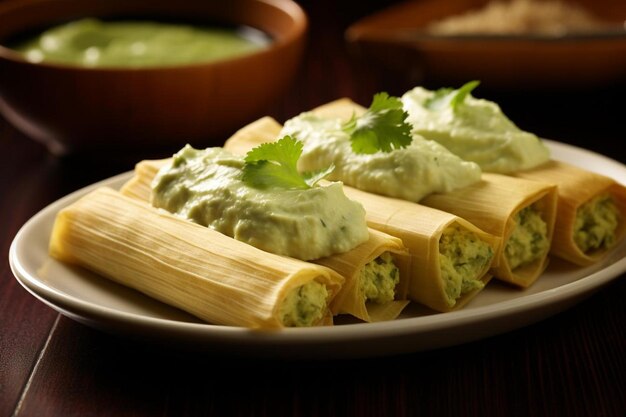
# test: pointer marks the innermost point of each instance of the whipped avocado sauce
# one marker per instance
(462, 257)
(475, 130)
(410, 173)
(596, 223)
(205, 186)
(304, 305)
(95, 43)
(529, 239)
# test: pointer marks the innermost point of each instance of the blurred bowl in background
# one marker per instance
(73, 109)
(399, 38)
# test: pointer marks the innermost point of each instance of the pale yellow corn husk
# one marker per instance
(348, 264)
(418, 227)
(343, 108)
(491, 205)
(139, 186)
(252, 135)
(576, 187)
(263, 130)
(203, 272)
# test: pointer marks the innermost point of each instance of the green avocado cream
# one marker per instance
(475, 130)
(596, 223)
(205, 186)
(378, 279)
(95, 43)
(410, 173)
(462, 257)
(304, 305)
(529, 239)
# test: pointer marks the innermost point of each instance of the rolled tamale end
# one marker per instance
(577, 187)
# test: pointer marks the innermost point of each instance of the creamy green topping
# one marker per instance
(596, 223)
(205, 186)
(378, 279)
(462, 257)
(410, 173)
(529, 239)
(94, 43)
(304, 305)
(475, 130)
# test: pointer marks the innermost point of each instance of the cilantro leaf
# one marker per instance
(445, 97)
(313, 177)
(274, 165)
(383, 127)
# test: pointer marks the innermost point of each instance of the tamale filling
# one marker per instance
(378, 279)
(596, 224)
(529, 239)
(462, 257)
(304, 305)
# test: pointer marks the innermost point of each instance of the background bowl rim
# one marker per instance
(297, 31)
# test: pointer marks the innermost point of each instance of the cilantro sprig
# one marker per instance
(445, 97)
(274, 165)
(383, 127)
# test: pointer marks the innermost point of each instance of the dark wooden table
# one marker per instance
(572, 364)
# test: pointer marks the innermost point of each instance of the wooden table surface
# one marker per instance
(571, 364)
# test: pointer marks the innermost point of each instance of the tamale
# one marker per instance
(203, 272)
(350, 264)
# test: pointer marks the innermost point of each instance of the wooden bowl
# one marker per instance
(73, 109)
(397, 37)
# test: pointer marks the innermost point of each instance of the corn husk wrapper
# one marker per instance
(203, 272)
(491, 205)
(342, 108)
(350, 300)
(419, 227)
(577, 186)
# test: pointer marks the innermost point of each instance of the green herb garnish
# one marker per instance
(382, 127)
(445, 97)
(274, 165)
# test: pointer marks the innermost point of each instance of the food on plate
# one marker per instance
(201, 271)
(95, 44)
(314, 249)
(289, 220)
(473, 129)
(450, 257)
(591, 207)
(374, 151)
(520, 17)
(516, 263)
(591, 211)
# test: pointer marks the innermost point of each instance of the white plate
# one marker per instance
(98, 302)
